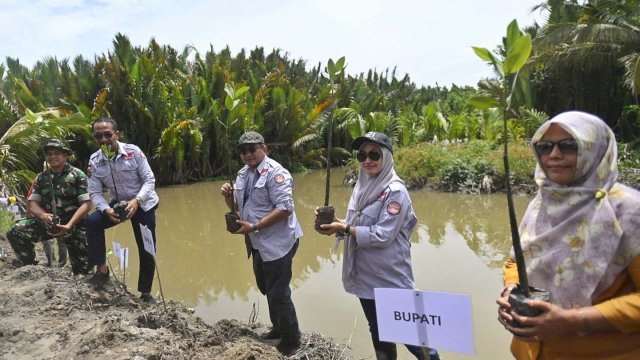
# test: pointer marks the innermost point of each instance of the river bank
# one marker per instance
(47, 313)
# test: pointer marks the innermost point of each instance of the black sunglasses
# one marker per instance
(566, 147)
(248, 149)
(105, 135)
(373, 155)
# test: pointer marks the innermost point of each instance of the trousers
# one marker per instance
(97, 222)
(24, 233)
(273, 278)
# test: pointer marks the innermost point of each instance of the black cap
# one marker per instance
(374, 137)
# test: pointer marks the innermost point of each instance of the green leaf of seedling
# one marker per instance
(106, 149)
(513, 34)
(228, 88)
(483, 53)
(518, 55)
(228, 103)
(340, 65)
(331, 68)
(240, 91)
(233, 114)
(484, 102)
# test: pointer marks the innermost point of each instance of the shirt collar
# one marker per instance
(262, 166)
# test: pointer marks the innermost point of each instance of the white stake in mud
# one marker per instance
(123, 257)
(147, 240)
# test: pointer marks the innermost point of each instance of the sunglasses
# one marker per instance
(248, 149)
(373, 155)
(566, 147)
(107, 136)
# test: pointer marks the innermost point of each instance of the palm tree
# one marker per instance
(586, 54)
(18, 160)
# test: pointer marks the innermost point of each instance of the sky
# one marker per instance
(428, 39)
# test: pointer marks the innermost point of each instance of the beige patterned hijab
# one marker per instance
(578, 238)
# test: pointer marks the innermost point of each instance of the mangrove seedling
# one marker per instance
(120, 206)
(517, 47)
(326, 213)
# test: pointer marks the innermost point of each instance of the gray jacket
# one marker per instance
(379, 256)
(132, 174)
(273, 189)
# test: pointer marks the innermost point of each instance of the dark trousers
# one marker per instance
(273, 278)
(387, 350)
(97, 222)
(25, 232)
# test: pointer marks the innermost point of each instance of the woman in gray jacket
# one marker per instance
(376, 232)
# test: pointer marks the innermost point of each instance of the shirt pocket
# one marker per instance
(129, 169)
(261, 195)
(101, 172)
(371, 213)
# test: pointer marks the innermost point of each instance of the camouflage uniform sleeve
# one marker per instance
(36, 193)
(82, 190)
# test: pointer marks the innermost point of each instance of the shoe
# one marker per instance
(271, 335)
(99, 279)
(147, 298)
(434, 355)
(288, 347)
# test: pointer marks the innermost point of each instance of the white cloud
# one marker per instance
(428, 39)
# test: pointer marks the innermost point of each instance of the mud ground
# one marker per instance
(47, 313)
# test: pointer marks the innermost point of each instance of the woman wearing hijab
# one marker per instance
(376, 232)
(580, 236)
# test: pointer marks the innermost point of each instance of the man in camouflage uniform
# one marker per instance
(66, 187)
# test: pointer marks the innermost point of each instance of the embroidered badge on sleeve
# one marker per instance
(279, 179)
(394, 208)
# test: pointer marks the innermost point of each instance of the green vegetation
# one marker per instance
(7, 219)
(184, 107)
(469, 168)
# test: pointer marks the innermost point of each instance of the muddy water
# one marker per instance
(458, 246)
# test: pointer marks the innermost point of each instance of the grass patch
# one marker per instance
(466, 167)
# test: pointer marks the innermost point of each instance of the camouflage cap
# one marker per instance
(56, 144)
(251, 137)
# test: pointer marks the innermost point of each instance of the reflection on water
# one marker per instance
(459, 245)
(480, 219)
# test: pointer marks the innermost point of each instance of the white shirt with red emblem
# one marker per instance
(132, 174)
(269, 188)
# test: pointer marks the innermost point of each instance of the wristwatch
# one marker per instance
(255, 228)
(139, 200)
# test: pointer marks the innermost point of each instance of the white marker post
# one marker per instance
(431, 319)
(115, 250)
(115, 247)
(123, 257)
(147, 240)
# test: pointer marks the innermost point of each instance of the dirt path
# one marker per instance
(47, 313)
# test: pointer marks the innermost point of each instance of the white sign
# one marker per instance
(123, 257)
(147, 240)
(116, 248)
(16, 211)
(434, 319)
